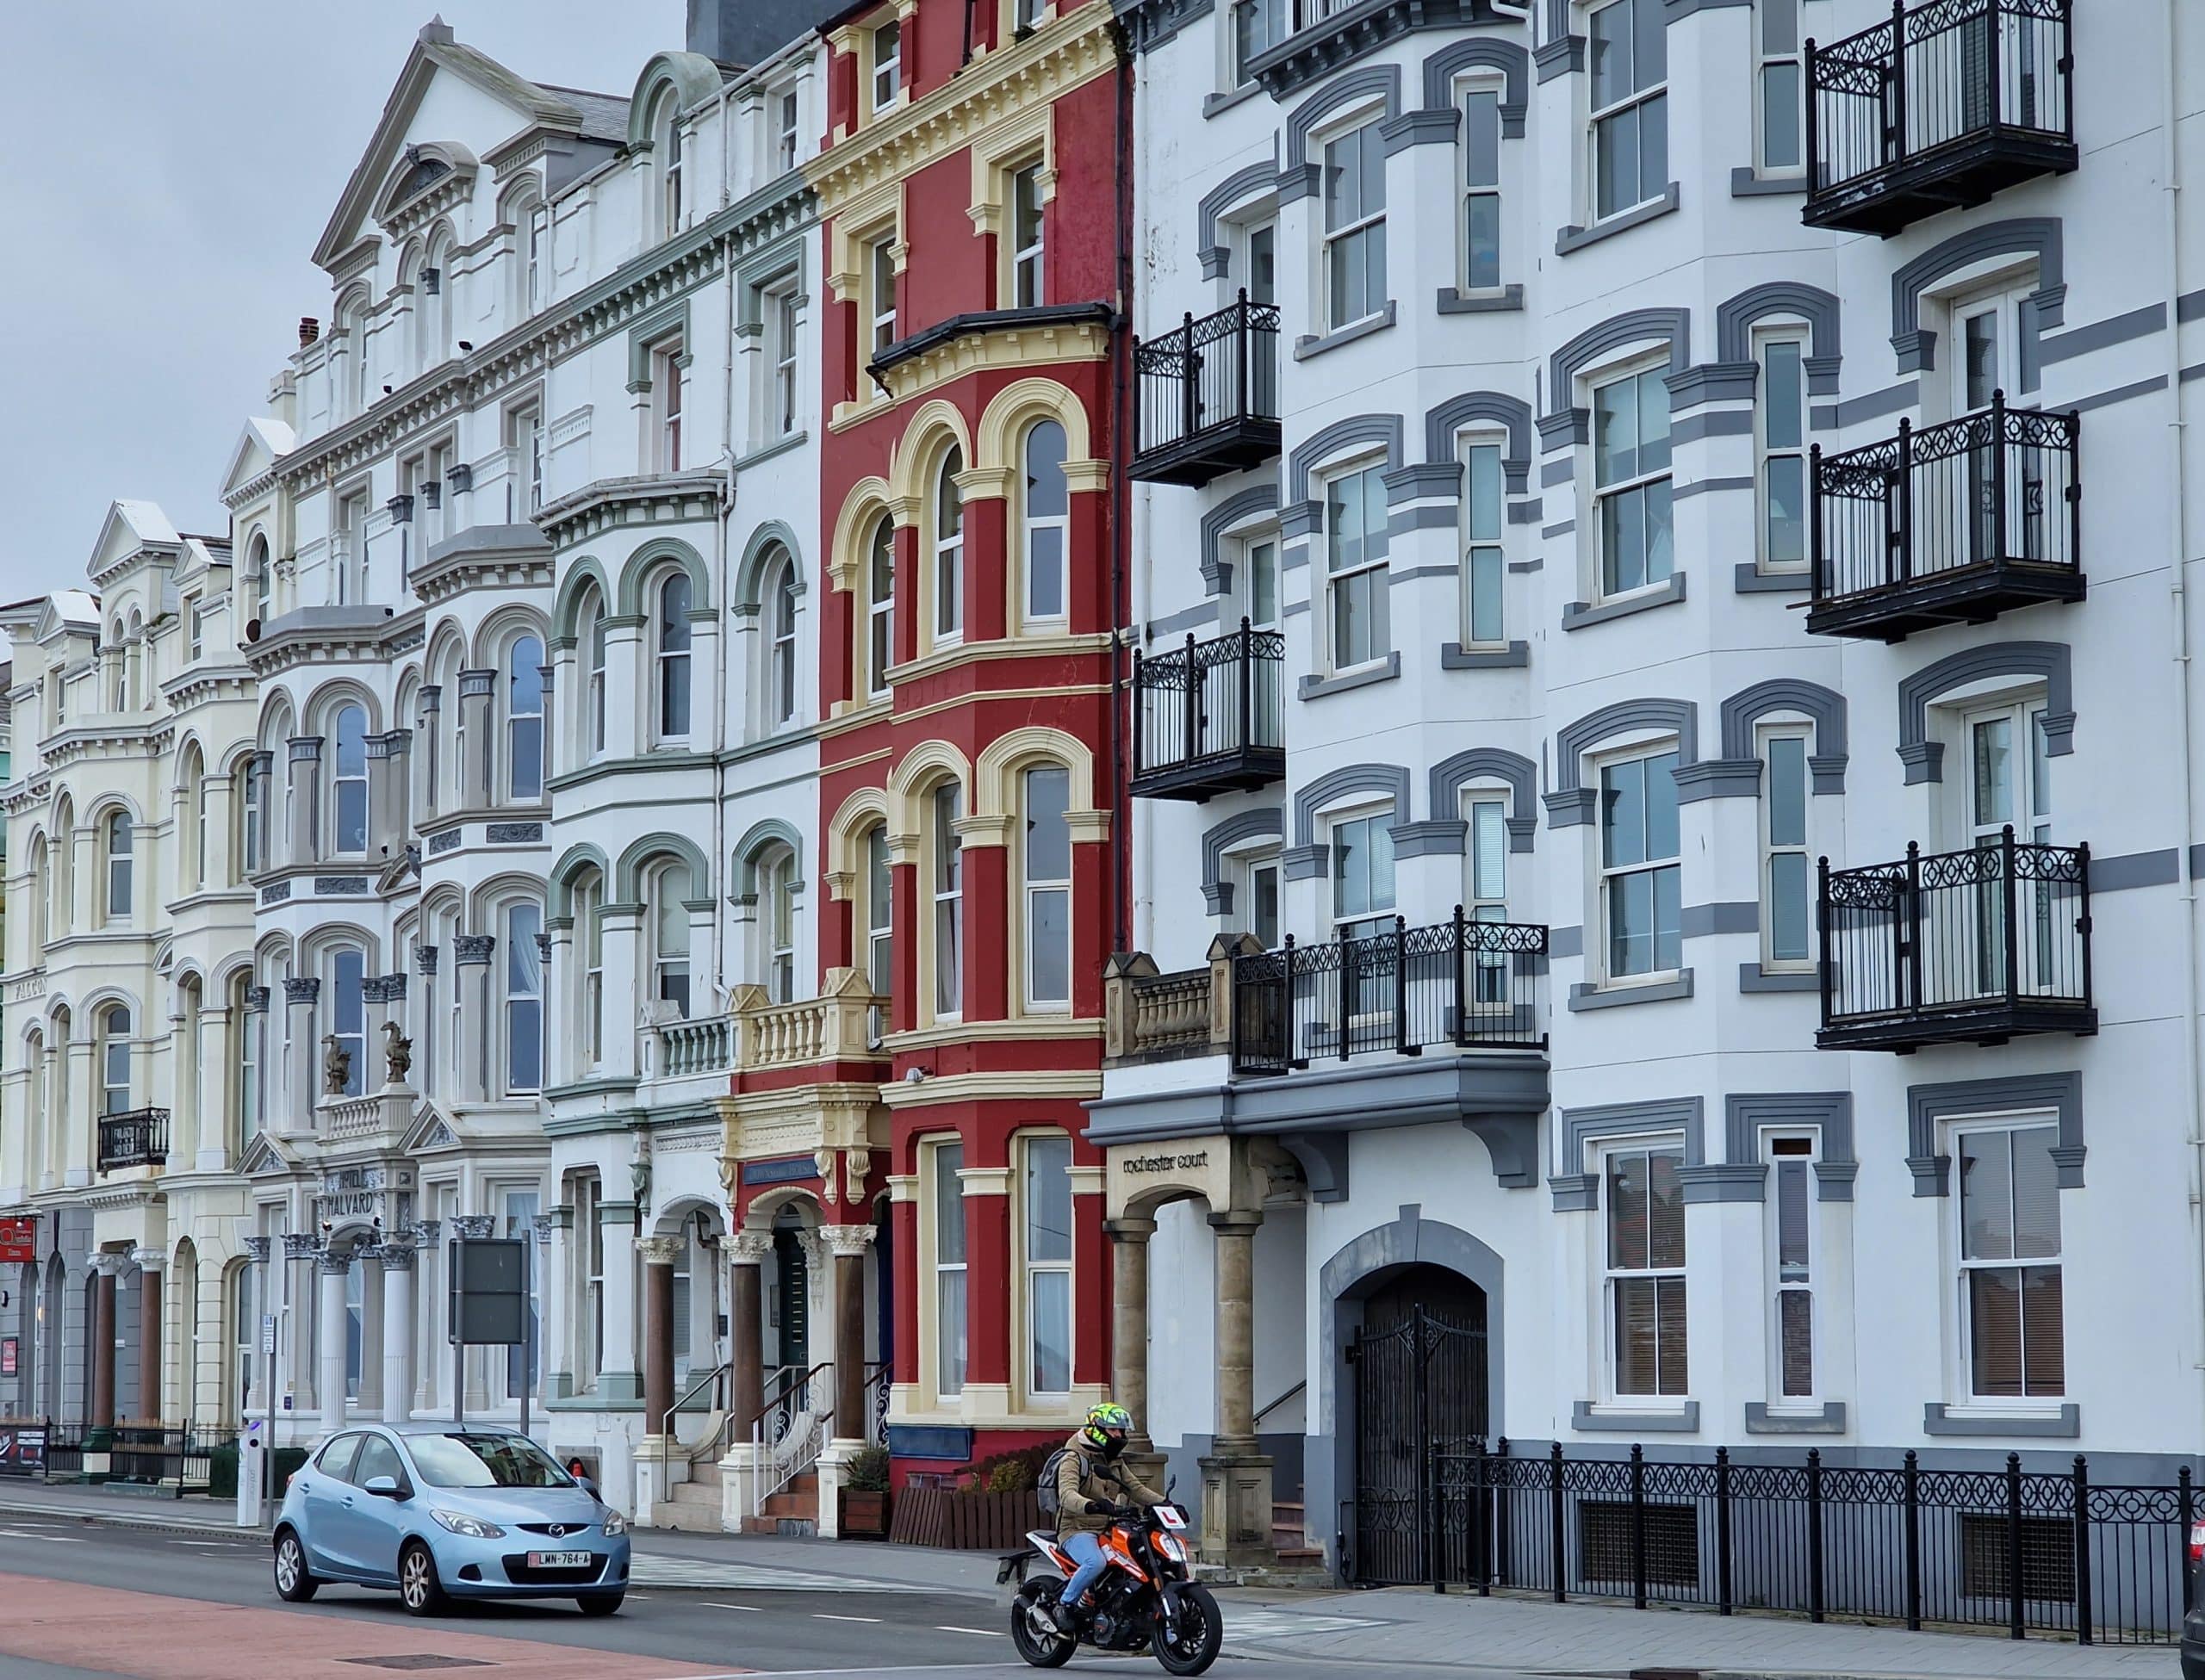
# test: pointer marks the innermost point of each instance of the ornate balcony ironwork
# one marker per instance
(138, 1138)
(1945, 104)
(1207, 719)
(1208, 395)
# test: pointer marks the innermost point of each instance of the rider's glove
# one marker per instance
(1101, 1508)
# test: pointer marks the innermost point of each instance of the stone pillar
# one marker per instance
(429, 1054)
(108, 1266)
(617, 1376)
(428, 1252)
(300, 1247)
(658, 1255)
(849, 1243)
(433, 773)
(215, 1047)
(1236, 1476)
(332, 1268)
(746, 1253)
(1129, 1323)
(396, 1254)
(471, 975)
(293, 1112)
(476, 690)
(152, 1333)
(304, 831)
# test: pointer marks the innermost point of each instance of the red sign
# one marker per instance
(18, 1239)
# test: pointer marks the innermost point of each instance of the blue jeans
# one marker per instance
(1086, 1551)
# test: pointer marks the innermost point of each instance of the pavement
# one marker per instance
(851, 1608)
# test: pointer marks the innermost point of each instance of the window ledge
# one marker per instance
(1452, 300)
(1614, 1416)
(1578, 614)
(1744, 183)
(1305, 348)
(794, 440)
(1753, 977)
(1828, 1420)
(1616, 996)
(1453, 656)
(1217, 104)
(1313, 688)
(2062, 1423)
(1750, 580)
(1576, 239)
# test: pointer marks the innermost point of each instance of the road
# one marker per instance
(82, 1600)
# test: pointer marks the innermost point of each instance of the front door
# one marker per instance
(1418, 1364)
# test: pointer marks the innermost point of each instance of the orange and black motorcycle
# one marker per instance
(1144, 1600)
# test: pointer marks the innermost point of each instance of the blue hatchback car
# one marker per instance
(442, 1511)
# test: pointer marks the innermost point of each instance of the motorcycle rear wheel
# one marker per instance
(1201, 1634)
(1036, 1599)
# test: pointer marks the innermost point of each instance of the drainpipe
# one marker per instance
(1120, 501)
(2178, 615)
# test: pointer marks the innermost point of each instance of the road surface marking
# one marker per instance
(985, 1633)
(750, 1610)
(821, 1616)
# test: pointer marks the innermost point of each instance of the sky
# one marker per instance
(165, 173)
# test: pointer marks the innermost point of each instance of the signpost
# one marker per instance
(490, 1291)
(19, 1240)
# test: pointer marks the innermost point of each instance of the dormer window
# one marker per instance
(887, 64)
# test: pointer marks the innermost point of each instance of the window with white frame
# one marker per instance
(593, 651)
(946, 1187)
(196, 816)
(589, 944)
(195, 628)
(1259, 591)
(777, 929)
(1257, 26)
(666, 365)
(672, 637)
(880, 606)
(1629, 49)
(589, 1321)
(536, 284)
(263, 584)
(1643, 1201)
(1779, 114)
(1045, 863)
(786, 128)
(1257, 899)
(669, 916)
(887, 64)
(1026, 287)
(115, 1060)
(880, 292)
(246, 1025)
(524, 997)
(1485, 897)
(519, 1222)
(1027, 14)
(782, 346)
(879, 926)
(1631, 481)
(525, 719)
(1048, 1263)
(348, 792)
(525, 438)
(1480, 154)
(1045, 521)
(947, 860)
(1780, 441)
(1639, 870)
(1792, 1263)
(671, 170)
(1485, 570)
(1356, 576)
(780, 627)
(948, 548)
(1355, 226)
(253, 794)
(120, 836)
(348, 1013)
(1363, 874)
(1788, 875)
(2011, 1301)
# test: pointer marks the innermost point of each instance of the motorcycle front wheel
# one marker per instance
(1202, 1632)
(1028, 1611)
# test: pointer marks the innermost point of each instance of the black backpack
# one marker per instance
(1045, 1492)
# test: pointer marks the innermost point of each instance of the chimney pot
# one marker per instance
(309, 330)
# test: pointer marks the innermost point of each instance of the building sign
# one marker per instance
(11, 1354)
(1187, 1163)
(355, 1193)
(22, 1451)
(19, 1240)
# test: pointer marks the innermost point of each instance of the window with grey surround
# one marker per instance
(1356, 574)
(1046, 865)
(348, 1013)
(1484, 571)
(1482, 189)
(1643, 1201)
(1787, 876)
(666, 384)
(524, 996)
(670, 889)
(1026, 238)
(781, 598)
(348, 803)
(2011, 1299)
(1355, 226)
(1631, 481)
(1259, 912)
(1640, 884)
(1257, 26)
(1630, 120)
(1778, 114)
(1363, 874)
(525, 719)
(786, 128)
(780, 345)
(1780, 442)
(1792, 1263)
(1485, 897)
(1259, 562)
(673, 638)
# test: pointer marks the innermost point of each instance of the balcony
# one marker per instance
(1463, 984)
(686, 1048)
(1208, 396)
(1957, 947)
(1207, 718)
(1944, 105)
(1953, 523)
(139, 1138)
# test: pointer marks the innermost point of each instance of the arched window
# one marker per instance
(946, 864)
(777, 924)
(244, 1339)
(246, 1026)
(195, 816)
(589, 947)
(348, 1014)
(593, 642)
(250, 779)
(880, 606)
(524, 718)
(115, 1060)
(524, 998)
(673, 657)
(439, 282)
(949, 548)
(119, 834)
(667, 142)
(1045, 513)
(118, 670)
(35, 1140)
(669, 933)
(348, 804)
(63, 867)
(880, 921)
(1045, 863)
(357, 393)
(780, 677)
(263, 578)
(41, 899)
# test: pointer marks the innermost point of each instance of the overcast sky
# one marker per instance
(167, 170)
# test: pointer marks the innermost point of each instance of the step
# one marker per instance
(785, 1528)
(793, 1505)
(688, 1518)
(699, 1494)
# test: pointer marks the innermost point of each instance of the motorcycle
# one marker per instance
(1144, 1600)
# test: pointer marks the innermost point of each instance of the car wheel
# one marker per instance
(601, 1603)
(294, 1583)
(422, 1593)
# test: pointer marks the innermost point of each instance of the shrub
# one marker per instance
(867, 1471)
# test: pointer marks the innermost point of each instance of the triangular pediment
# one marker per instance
(264, 1158)
(432, 1130)
(67, 612)
(261, 443)
(131, 528)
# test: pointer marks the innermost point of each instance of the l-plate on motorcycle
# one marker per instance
(1144, 1600)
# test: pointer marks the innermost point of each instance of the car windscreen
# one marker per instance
(474, 1460)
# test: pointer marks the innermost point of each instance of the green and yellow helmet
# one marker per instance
(1108, 1426)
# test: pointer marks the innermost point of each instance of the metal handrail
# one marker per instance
(1301, 1387)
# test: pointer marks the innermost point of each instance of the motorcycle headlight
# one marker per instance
(615, 1525)
(474, 1528)
(1170, 1546)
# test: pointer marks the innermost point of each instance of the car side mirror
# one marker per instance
(385, 1487)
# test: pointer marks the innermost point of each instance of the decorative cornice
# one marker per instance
(658, 498)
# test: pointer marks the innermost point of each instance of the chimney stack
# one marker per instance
(309, 330)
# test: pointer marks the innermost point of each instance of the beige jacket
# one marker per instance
(1084, 1474)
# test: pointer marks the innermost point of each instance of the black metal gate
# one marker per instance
(1419, 1385)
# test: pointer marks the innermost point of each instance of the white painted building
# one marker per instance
(1510, 465)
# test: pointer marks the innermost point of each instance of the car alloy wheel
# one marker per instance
(413, 1580)
(287, 1564)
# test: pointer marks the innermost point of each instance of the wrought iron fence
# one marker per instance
(1209, 703)
(1470, 984)
(2005, 924)
(1997, 487)
(139, 1138)
(1933, 76)
(160, 1456)
(2024, 1552)
(1208, 372)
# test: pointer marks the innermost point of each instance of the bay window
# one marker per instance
(1644, 1214)
(1047, 1196)
(1791, 1259)
(674, 636)
(1355, 226)
(348, 804)
(1781, 444)
(1631, 481)
(525, 719)
(1026, 278)
(1046, 866)
(1640, 884)
(348, 1013)
(1357, 579)
(1484, 569)
(946, 1187)
(524, 998)
(880, 606)
(948, 864)
(1045, 520)
(1482, 189)
(1787, 876)
(1628, 50)
(949, 548)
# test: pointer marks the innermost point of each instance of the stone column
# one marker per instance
(305, 800)
(213, 1046)
(1236, 1476)
(151, 1332)
(429, 1345)
(294, 1112)
(332, 1269)
(476, 689)
(658, 1255)
(299, 1247)
(427, 707)
(848, 1244)
(746, 1253)
(108, 1266)
(429, 1053)
(1129, 1323)
(396, 1254)
(471, 974)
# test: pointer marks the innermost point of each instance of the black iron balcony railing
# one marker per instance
(1207, 719)
(1957, 947)
(138, 1138)
(1208, 395)
(1475, 985)
(1947, 103)
(1958, 522)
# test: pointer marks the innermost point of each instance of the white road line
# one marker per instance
(820, 1615)
(747, 1609)
(985, 1633)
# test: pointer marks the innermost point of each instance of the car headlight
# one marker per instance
(474, 1528)
(615, 1525)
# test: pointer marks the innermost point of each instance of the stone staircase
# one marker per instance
(694, 1506)
(794, 1513)
(1290, 1537)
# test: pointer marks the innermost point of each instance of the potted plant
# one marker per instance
(865, 1494)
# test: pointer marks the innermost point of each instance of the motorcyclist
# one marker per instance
(1093, 1485)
